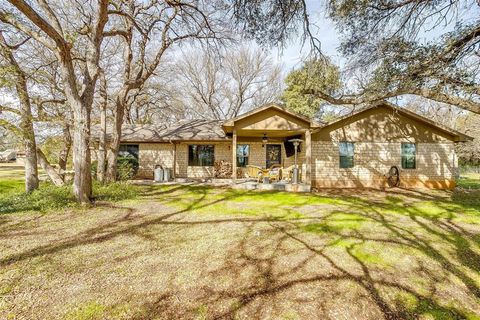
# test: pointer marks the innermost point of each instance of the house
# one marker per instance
(357, 150)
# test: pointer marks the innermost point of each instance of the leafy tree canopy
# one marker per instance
(425, 48)
(387, 38)
(315, 74)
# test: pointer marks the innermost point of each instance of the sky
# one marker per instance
(324, 29)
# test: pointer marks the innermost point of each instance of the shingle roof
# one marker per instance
(212, 130)
(183, 130)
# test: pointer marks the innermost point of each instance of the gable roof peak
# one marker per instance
(458, 136)
(277, 106)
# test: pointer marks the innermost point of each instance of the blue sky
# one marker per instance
(323, 28)
(330, 38)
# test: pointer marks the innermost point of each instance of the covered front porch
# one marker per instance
(264, 153)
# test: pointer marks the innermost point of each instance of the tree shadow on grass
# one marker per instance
(277, 257)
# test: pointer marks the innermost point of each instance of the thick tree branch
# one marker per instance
(11, 127)
(41, 23)
(363, 98)
(9, 109)
(9, 19)
(51, 16)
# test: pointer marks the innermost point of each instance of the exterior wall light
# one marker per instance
(264, 139)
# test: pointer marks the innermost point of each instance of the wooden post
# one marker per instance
(308, 157)
(174, 169)
(234, 155)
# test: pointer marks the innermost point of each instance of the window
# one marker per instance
(243, 152)
(127, 150)
(409, 151)
(346, 154)
(201, 155)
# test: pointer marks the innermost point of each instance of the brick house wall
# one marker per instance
(152, 154)
(436, 165)
(377, 135)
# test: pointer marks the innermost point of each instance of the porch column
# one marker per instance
(234, 155)
(174, 160)
(308, 157)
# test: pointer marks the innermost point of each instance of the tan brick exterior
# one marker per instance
(151, 154)
(377, 135)
(435, 165)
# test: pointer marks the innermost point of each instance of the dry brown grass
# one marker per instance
(201, 253)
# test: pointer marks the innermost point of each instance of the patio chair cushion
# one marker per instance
(254, 172)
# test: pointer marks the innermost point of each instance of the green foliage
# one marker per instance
(385, 41)
(93, 168)
(90, 311)
(11, 185)
(269, 22)
(127, 167)
(52, 148)
(49, 197)
(317, 75)
(114, 191)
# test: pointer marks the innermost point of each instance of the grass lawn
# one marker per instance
(195, 252)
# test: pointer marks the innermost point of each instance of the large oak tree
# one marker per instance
(385, 42)
(78, 39)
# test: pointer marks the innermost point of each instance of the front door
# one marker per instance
(274, 154)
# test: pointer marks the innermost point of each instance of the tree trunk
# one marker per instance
(63, 156)
(101, 165)
(31, 170)
(82, 181)
(80, 100)
(26, 123)
(81, 105)
(116, 135)
(102, 156)
(56, 178)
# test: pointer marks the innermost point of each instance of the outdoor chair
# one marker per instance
(254, 172)
(275, 172)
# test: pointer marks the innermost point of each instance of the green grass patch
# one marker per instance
(210, 200)
(335, 222)
(12, 173)
(50, 197)
(469, 181)
(11, 185)
(90, 311)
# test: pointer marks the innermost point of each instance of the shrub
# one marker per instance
(93, 169)
(50, 197)
(114, 191)
(47, 197)
(127, 167)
